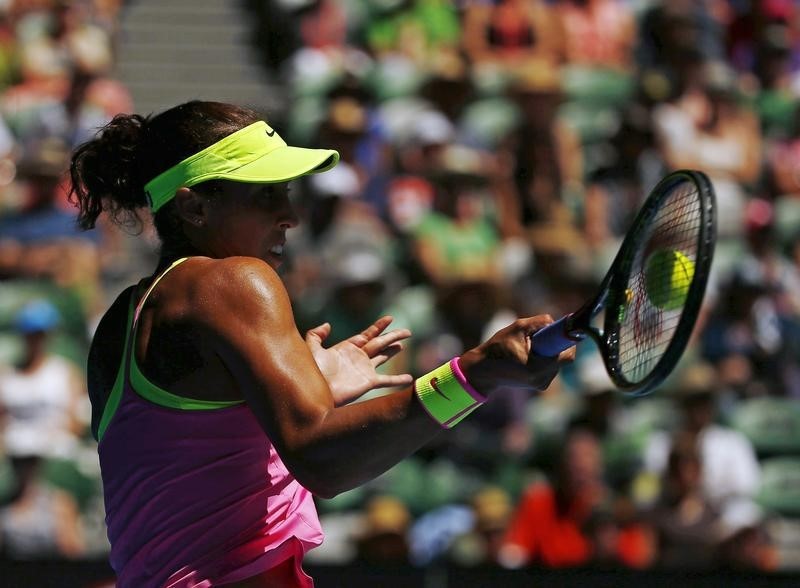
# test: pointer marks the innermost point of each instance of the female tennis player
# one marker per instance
(216, 420)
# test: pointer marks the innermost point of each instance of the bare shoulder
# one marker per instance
(215, 284)
(222, 296)
(236, 272)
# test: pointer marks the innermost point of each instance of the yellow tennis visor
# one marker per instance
(255, 154)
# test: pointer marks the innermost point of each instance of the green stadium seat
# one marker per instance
(622, 455)
(392, 78)
(780, 485)
(306, 114)
(653, 413)
(597, 86)
(488, 120)
(408, 482)
(350, 500)
(771, 424)
(787, 218)
(591, 122)
(66, 475)
(11, 348)
(7, 479)
(70, 348)
(774, 109)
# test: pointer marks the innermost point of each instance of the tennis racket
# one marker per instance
(647, 304)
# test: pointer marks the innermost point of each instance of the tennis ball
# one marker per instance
(667, 276)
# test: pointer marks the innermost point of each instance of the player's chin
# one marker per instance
(274, 260)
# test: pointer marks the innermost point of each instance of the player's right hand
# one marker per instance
(506, 360)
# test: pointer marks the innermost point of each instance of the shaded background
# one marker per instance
(493, 155)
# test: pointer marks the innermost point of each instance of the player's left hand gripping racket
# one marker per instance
(649, 300)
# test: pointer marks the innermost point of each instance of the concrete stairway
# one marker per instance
(171, 51)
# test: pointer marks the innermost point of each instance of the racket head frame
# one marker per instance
(612, 294)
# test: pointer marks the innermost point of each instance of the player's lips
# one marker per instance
(278, 247)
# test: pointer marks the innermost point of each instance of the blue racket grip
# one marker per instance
(553, 339)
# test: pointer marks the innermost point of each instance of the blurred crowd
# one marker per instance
(493, 155)
(56, 89)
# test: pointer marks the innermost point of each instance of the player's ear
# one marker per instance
(191, 206)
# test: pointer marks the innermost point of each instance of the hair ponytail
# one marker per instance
(105, 173)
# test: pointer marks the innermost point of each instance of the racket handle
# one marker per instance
(553, 339)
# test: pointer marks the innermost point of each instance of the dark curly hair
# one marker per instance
(109, 172)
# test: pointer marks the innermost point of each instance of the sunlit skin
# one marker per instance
(232, 315)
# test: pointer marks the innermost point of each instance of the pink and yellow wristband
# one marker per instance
(446, 395)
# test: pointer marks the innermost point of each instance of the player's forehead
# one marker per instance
(246, 191)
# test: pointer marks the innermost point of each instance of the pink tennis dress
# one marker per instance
(195, 493)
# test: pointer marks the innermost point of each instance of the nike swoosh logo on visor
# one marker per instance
(434, 385)
(270, 134)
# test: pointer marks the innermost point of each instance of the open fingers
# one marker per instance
(379, 343)
(371, 331)
(386, 354)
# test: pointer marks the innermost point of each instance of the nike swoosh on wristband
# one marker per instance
(434, 382)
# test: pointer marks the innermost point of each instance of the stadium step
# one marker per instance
(171, 52)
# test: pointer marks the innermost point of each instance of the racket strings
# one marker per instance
(651, 319)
